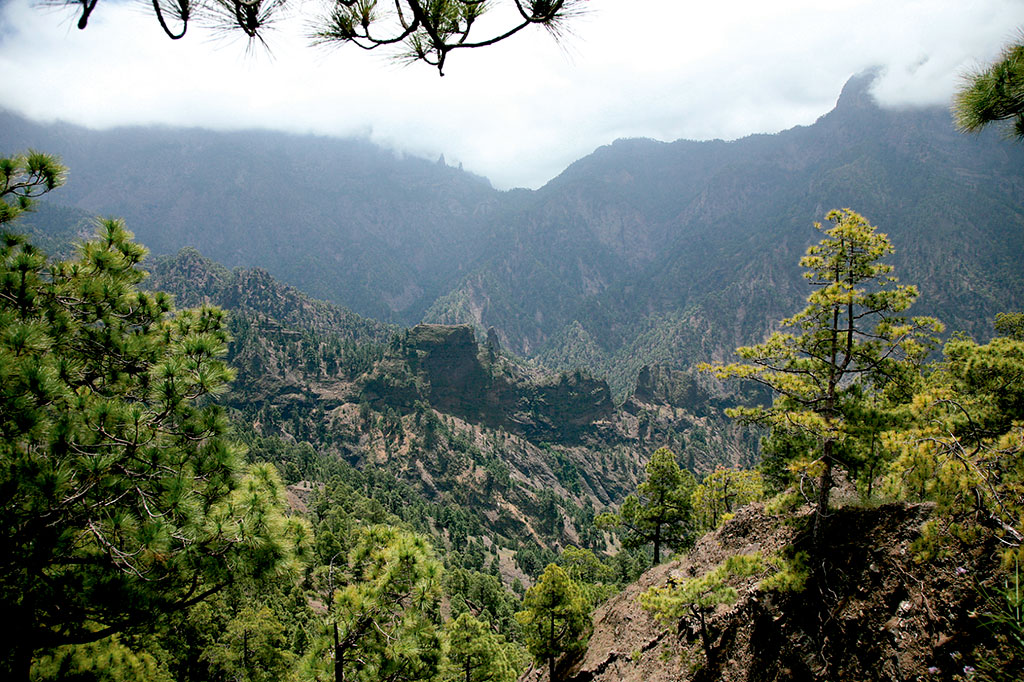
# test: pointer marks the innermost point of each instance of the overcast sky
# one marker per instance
(517, 113)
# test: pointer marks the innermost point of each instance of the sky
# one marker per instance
(518, 112)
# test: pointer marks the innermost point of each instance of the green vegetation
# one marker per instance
(722, 492)
(1003, 616)
(661, 511)
(858, 394)
(995, 93)
(147, 532)
(476, 654)
(1011, 325)
(697, 598)
(382, 623)
(25, 177)
(962, 446)
(555, 618)
(847, 341)
(122, 498)
(139, 545)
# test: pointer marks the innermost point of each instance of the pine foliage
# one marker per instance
(848, 339)
(121, 497)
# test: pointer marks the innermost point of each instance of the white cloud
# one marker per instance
(518, 112)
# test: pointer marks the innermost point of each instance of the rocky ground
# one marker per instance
(870, 609)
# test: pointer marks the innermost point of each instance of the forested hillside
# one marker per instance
(358, 416)
(431, 405)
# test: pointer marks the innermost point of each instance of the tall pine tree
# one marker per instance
(121, 497)
(847, 341)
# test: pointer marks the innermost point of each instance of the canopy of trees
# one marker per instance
(382, 624)
(722, 492)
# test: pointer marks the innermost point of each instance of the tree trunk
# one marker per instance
(551, 668)
(339, 666)
(824, 489)
(657, 544)
(705, 638)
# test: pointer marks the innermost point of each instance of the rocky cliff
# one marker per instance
(445, 367)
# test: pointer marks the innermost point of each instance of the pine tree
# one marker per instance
(697, 598)
(964, 447)
(383, 620)
(555, 619)
(475, 654)
(661, 511)
(121, 498)
(25, 177)
(846, 342)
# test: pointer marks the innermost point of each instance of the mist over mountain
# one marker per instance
(342, 219)
(643, 252)
(680, 252)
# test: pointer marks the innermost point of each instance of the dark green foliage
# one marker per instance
(108, 660)
(121, 498)
(533, 559)
(661, 511)
(994, 94)
(25, 177)
(555, 618)
(483, 596)
(597, 579)
(247, 632)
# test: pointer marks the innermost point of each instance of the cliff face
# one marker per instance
(876, 615)
(445, 367)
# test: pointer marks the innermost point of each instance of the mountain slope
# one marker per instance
(680, 252)
(342, 219)
(882, 615)
(641, 253)
(528, 455)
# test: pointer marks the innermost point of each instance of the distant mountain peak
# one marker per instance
(857, 91)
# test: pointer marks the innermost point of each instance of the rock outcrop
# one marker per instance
(869, 609)
(443, 365)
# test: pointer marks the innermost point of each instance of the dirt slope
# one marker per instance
(877, 614)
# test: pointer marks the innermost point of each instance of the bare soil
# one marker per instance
(870, 610)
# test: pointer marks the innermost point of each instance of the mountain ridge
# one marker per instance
(641, 253)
